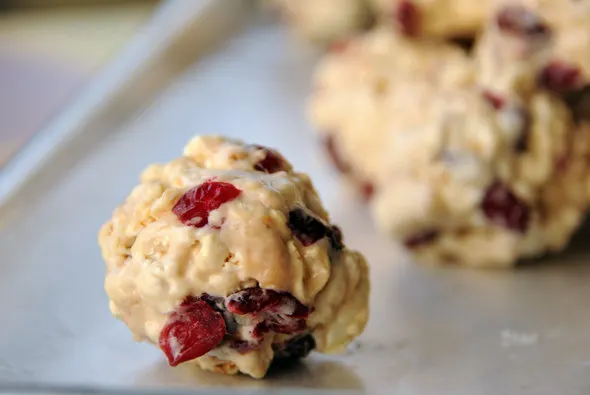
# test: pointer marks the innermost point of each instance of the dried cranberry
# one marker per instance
(193, 208)
(339, 46)
(496, 101)
(502, 207)
(421, 239)
(266, 311)
(252, 300)
(367, 190)
(286, 325)
(271, 163)
(306, 228)
(560, 77)
(298, 347)
(334, 154)
(243, 346)
(213, 301)
(260, 329)
(407, 17)
(255, 300)
(336, 238)
(191, 331)
(218, 304)
(519, 21)
(562, 163)
(299, 310)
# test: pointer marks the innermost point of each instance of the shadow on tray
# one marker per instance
(576, 253)
(311, 373)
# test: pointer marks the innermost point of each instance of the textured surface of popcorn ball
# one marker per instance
(570, 23)
(359, 83)
(434, 18)
(327, 20)
(225, 258)
(480, 169)
(324, 20)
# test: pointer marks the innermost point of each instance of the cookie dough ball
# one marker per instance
(324, 20)
(226, 259)
(364, 84)
(434, 18)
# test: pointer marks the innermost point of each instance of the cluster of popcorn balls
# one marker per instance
(466, 127)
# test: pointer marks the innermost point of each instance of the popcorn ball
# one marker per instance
(434, 18)
(475, 160)
(324, 20)
(328, 20)
(226, 259)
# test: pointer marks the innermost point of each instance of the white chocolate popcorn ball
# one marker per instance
(226, 259)
(479, 161)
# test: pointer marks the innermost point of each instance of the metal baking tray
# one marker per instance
(222, 66)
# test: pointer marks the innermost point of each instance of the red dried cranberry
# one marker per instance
(243, 346)
(306, 228)
(260, 329)
(496, 101)
(252, 300)
(193, 208)
(271, 163)
(421, 239)
(298, 347)
(367, 190)
(407, 17)
(334, 154)
(218, 304)
(191, 331)
(279, 323)
(502, 207)
(213, 301)
(255, 300)
(286, 325)
(519, 21)
(269, 311)
(339, 46)
(562, 163)
(299, 310)
(560, 77)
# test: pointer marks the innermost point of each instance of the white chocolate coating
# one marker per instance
(154, 261)
(357, 87)
(324, 20)
(438, 18)
(433, 143)
(570, 23)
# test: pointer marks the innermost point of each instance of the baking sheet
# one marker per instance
(432, 330)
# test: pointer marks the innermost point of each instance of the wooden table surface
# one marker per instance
(46, 57)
